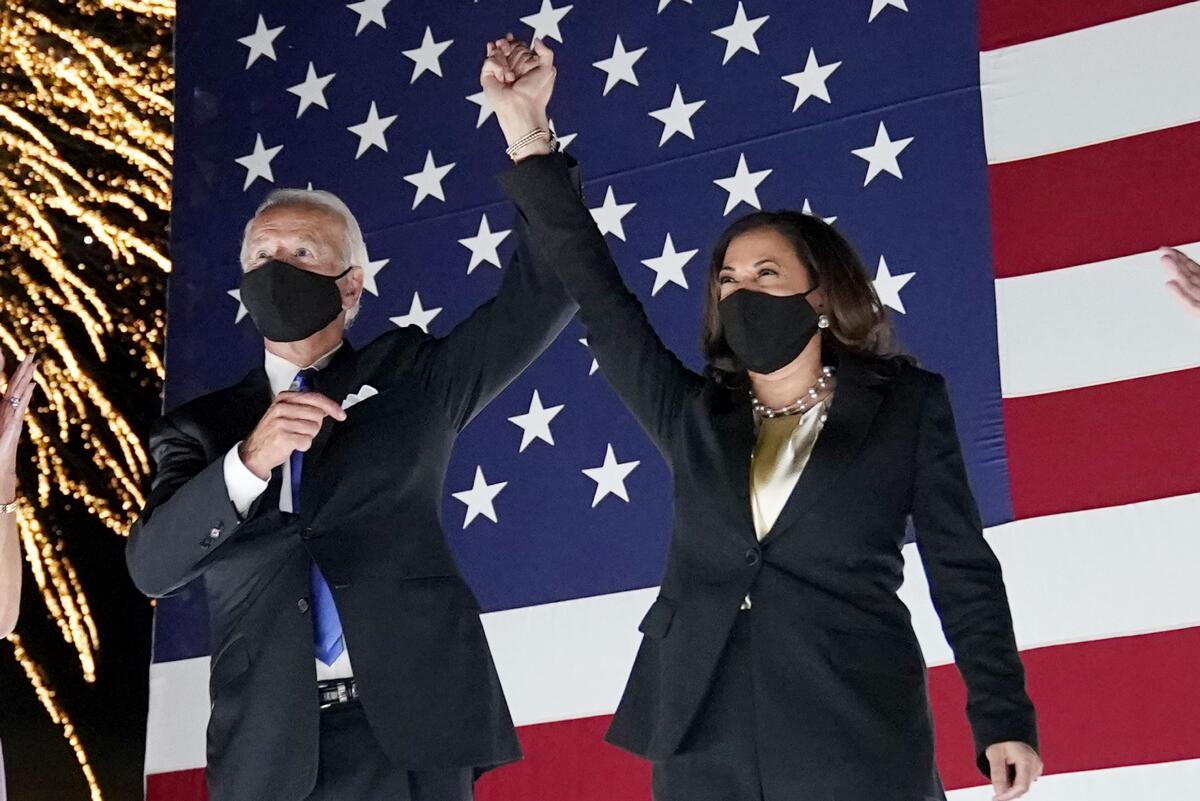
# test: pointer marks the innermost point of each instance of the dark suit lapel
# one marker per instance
(336, 381)
(249, 402)
(855, 402)
(733, 420)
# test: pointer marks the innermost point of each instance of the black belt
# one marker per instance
(336, 692)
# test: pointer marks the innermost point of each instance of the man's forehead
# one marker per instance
(295, 219)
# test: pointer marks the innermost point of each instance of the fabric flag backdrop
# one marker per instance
(1006, 169)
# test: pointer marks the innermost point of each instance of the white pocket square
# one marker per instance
(364, 392)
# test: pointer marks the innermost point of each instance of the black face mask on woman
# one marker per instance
(767, 332)
(287, 303)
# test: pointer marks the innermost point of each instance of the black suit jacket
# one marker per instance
(372, 489)
(841, 703)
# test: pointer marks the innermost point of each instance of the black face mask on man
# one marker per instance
(289, 304)
(767, 332)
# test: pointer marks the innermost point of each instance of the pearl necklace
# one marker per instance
(807, 401)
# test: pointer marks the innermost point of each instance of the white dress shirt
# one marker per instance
(245, 487)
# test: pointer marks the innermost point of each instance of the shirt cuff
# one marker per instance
(244, 487)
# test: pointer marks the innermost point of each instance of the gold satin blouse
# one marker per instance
(783, 449)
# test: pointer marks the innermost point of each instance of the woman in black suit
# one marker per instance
(778, 662)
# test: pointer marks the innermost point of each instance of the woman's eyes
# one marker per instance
(729, 279)
(303, 252)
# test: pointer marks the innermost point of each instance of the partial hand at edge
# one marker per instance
(1185, 281)
(12, 419)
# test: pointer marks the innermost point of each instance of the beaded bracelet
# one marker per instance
(537, 134)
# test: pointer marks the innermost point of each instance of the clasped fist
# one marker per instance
(290, 424)
(517, 81)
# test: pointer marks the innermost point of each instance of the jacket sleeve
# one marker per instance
(473, 364)
(189, 514)
(966, 584)
(647, 376)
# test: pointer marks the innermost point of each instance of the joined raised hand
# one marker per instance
(517, 81)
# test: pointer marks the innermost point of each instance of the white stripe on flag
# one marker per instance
(556, 661)
(568, 659)
(1084, 575)
(178, 719)
(1094, 85)
(1164, 781)
(1093, 324)
(1104, 572)
(1100, 573)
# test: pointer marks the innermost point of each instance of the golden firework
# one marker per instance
(85, 168)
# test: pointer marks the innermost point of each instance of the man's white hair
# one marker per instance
(354, 248)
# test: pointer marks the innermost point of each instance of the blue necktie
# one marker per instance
(327, 626)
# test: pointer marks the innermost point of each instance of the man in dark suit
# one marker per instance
(349, 661)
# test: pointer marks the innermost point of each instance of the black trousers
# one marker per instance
(718, 759)
(353, 767)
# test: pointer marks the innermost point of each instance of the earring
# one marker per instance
(823, 321)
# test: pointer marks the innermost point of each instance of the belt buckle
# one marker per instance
(342, 691)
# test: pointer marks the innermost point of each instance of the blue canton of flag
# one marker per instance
(682, 121)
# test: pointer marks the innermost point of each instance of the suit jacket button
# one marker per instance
(307, 533)
(302, 605)
(752, 556)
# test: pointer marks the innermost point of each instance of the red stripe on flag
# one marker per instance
(1125, 693)
(569, 760)
(179, 785)
(1009, 22)
(1132, 696)
(1106, 445)
(1095, 203)
(1101, 704)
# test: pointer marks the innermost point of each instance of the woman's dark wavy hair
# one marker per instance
(858, 322)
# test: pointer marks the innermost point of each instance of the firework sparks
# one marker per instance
(85, 151)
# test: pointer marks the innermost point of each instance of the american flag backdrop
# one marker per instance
(1006, 169)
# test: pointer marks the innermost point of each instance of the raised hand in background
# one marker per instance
(1185, 276)
(12, 424)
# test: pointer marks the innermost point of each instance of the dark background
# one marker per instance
(110, 714)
